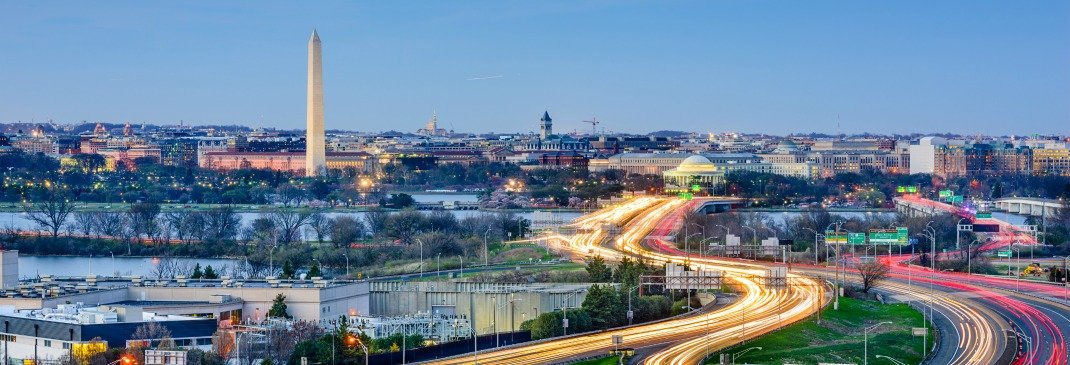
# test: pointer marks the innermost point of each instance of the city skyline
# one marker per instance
(696, 66)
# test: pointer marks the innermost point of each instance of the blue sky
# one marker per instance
(638, 66)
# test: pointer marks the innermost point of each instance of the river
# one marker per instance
(32, 266)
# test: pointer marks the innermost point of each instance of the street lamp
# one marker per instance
(421, 242)
(817, 237)
(352, 339)
(347, 264)
(486, 252)
(969, 257)
(754, 242)
(865, 342)
(738, 354)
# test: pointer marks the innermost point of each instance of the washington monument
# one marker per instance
(315, 160)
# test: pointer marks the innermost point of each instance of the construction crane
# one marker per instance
(594, 124)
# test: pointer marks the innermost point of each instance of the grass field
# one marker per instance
(839, 337)
(608, 360)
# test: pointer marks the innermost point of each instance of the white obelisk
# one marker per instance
(315, 150)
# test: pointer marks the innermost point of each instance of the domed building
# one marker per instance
(695, 174)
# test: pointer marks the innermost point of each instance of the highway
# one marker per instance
(973, 313)
(757, 310)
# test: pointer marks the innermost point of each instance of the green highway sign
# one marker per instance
(1004, 254)
(898, 236)
(946, 193)
(696, 188)
(904, 189)
(835, 237)
(986, 215)
(858, 238)
(954, 199)
(686, 196)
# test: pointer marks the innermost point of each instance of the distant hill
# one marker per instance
(672, 134)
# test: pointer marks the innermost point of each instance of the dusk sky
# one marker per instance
(638, 66)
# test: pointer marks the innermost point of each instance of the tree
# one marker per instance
(50, 210)
(598, 271)
(143, 220)
(315, 271)
(289, 222)
(287, 270)
(346, 230)
(872, 273)
(197, 272)
(278, 308)
(604, 306)
(320, 224)
(398, 201)
(209, 273)
(84, 223)
(548, 324)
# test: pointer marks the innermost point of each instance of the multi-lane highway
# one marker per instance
(981, 320)
(758, 309)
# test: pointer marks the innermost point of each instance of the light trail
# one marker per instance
(756, 311)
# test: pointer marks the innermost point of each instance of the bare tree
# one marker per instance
(320, 225)
(221, 224)
(144, 220)
(109, 224)
(872, 273)
(284, 339)
(50, 211)
(289, 223)
(84, 223)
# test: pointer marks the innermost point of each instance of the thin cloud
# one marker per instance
(485, 78)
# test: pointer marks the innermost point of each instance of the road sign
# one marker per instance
(888, 236)
(618, 340)
(946, 193)
(686, 196)
(856, 238)
(955, 199)
(835, 237)
(919, 331)
(985, 215)
(1004, 254)
(696, 188)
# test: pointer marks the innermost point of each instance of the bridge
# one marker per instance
(1030, 206)
(914, 206)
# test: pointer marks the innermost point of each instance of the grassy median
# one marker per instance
(839, 337)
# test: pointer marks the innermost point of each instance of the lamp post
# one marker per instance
(347, 265)
(754, 242)
(817, 237)
(865, 342)
(421, 242)
(564, 312)
(486, 252)
(726, 233)
(969, 257)
(738, 354)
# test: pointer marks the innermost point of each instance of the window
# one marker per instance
(7, 337)
(48, 343)
(66, 345)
